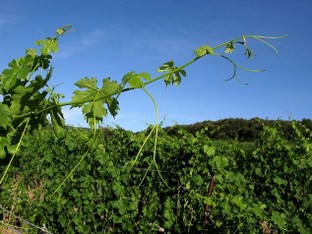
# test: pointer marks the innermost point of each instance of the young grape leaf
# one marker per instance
(135, 81)
(172, 77)
(109, 89)
(127, 77)
(94, 112)
(62, 30)
(93, 100)
(49, 45)
(80, 97)
(87, 83)
(229, 48)
(203, 50)
(166, 66)
(31, 52)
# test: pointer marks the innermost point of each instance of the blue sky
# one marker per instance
(114, 37)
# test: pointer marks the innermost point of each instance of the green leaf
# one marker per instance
(95, 109)
(5, 118)
(135, 81)
(93, 99)
(109, 87)
(49, 45)
(174, 76)
(18, 72)
(169, 213)
(134, 204)
(58, 122)
(203, 50)
(279, 219)
(258, 171)
(113, 106)
(166, 66)
(259, 210)
(20, 66)
(220, 162)
(42, 61)
(229, 48)
(209, 150)
(118, 189)
(28, 98)
(8, 80)
(4, 142)
(31, 52)
(80, 97)
(121, 206)
(62, 30)
(280, 181)
(226, 207)
(238, 201)
(87, 83)
(188, 185)
(127, 77)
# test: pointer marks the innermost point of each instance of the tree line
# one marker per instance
(238, 128)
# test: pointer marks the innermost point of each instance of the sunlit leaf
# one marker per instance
(203, 50)
(93, 100)
(5, 118)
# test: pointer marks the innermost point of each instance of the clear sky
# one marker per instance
(114, 37)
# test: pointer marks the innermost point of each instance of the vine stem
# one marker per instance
(15, 151)
(122, 90)
(156, 137)
(142, 146)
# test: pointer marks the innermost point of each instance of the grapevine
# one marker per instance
(137, 184)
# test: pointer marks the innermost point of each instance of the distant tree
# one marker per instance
(307, 123)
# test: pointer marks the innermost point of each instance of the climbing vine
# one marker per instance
(29, 104)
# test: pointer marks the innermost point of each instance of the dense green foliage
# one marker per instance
(258, 186)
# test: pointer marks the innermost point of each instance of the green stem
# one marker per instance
(142, 146)
(145, 174)
(156, 137)
(172, 72)
(72, 171)
(259, 38)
